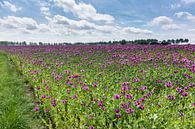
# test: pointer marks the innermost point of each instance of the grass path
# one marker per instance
(15, 104)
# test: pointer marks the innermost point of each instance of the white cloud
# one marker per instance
(164, 22)
(45, 11)
(161, 20)
(44, 28)
(44, 8)
(176, 5)
(186, 15)
(170, 27)
(86, 27)
(89, 24)
(182, 3)
(62, 22)
(191, 30)
(83, 11)
(188, 1)
(13, 22)
(136, 30)
(10, 6)
(62, 26)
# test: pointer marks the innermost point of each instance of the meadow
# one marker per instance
(110, 86)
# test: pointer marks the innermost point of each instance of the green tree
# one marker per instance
(123, 42)
(186, 40)
(181, 40)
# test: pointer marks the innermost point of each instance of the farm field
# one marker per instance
(109, 86)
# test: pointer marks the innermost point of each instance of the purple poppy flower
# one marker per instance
(36, 109)
(64, 101)
(141, 106)
(89, 62)
(47, 110)
(186, 88)
(37, 102)
(137, 103)
(125, 84)
(94, 84)
(75, 76)
(168, 84)
(91, 127)
(184, 94)
(171, 97)
(193, 68)
(128, 96)
(117, 96)
(90, 116)
(100, 104)
(67, 71)
(136, 80)
(125, 105)
(176, 71)
(148, 95)
(75, 86)
(117, 110)
(158, 81)
(48, 97)
(179, 90)
(47, 87)
(38, 88)
(129, 111)
(141, 100)
(74, 97)
(53, 102)
(86, 88)
(143, 88)
(125, 88)
(118, 116)
(103, 108)
(43, 96)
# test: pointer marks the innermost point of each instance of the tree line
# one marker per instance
(120, 42)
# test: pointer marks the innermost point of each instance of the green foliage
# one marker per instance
(15, 106)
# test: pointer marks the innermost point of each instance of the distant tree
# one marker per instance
(181, 40)
(115, 42)
(23, 43)
(164, 42)
(177, 41)
(186, 40)
(110, 42)
(152, 41)
(173, 41)
(141, 41)
(40, 43)
(123, 42)
(169, 41)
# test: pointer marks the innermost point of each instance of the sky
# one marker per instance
(96, 20)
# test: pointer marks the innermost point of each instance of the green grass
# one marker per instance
(16, 103)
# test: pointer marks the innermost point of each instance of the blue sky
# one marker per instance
(96, 20)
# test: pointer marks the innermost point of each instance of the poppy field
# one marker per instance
(110, 86)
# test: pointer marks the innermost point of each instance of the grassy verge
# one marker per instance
(15, 103)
